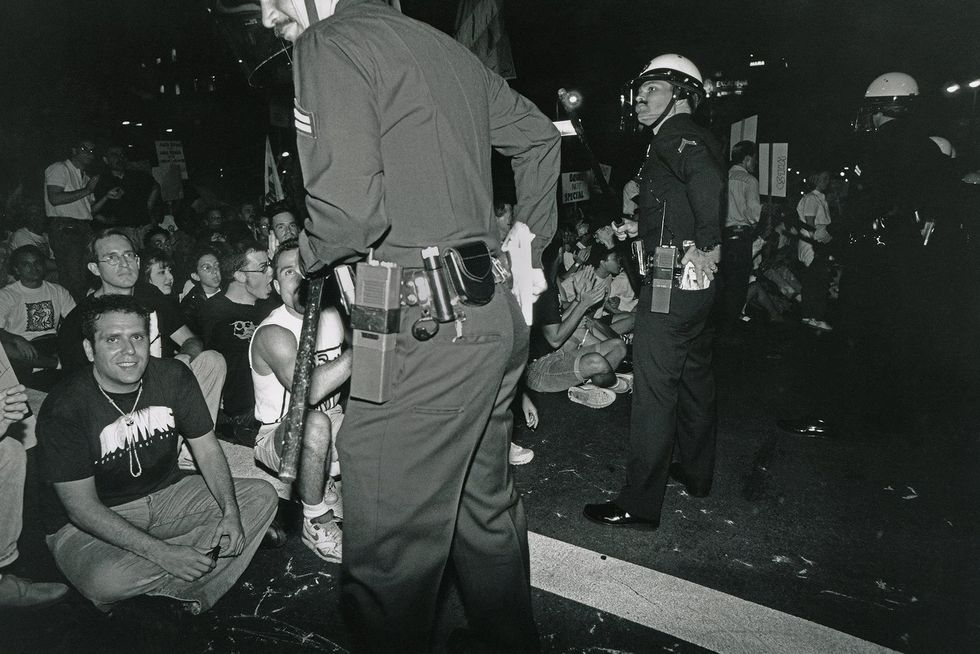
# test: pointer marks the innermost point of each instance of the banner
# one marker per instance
(763, 169)
(743, 130)
(574, 187)
(480, 27)
(780, 161)
(172, 152)
(273, 187)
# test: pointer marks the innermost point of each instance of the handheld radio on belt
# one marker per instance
(374, 318)
(664, 262)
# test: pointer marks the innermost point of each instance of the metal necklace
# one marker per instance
(135, 467)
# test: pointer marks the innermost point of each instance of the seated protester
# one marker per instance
(16, 593)
(205, 283)
(113, 260)
(570, 348)
(156, 271)
(122, 519)
(34, 231)
(157, 238)
(31, 310)
(272, 356)
(618, 309)
(229, 319)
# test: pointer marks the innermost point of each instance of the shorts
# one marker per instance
(265, 440)
(557, 371)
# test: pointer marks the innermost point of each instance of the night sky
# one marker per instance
(68, 64)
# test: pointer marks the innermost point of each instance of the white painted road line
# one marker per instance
(696, 614)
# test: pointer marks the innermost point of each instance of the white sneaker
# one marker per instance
(333, 499)
(520, 455)
(624, 383)
(324, 538)
(591, 396)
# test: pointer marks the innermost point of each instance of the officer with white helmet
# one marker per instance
(884, 295)
(682, 190)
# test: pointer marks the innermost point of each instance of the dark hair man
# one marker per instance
(122, 520)
(674, 388)
(744, 211)
(113, 259)
(135, 192)
(70, 201)
(228, 320)
(272, 356)
(401, 162)
(31, 310)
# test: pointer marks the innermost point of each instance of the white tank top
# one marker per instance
(271, 398)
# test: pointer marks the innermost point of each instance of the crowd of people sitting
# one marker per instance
(159, 298)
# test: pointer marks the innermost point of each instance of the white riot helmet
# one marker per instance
(892, 94)
(678, 71)
(945, 146)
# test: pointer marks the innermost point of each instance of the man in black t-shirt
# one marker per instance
(139, 192)
(113, 259)
(229, 319)
(121, 518)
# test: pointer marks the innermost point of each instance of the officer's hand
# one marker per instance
(705, 263)
(582, 255)
(92, 183)
(628, 229)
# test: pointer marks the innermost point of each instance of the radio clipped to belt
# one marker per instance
(461, 275)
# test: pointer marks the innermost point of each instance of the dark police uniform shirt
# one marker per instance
(394, 123)
(82, 435)
(900, 172)
(684, 169)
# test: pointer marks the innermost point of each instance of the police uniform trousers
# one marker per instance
(673, 400)
(426, 480)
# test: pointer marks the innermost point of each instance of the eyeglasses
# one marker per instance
(115, 260)
(263, 267)
(208, 268)
(86, 149)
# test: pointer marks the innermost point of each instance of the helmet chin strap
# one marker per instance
(666, 112)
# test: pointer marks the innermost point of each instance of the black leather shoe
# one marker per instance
(812, 427)
(609, 513)
(677, 473)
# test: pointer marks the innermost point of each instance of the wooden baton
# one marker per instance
(292, 442)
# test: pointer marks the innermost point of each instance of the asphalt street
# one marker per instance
(864, 542)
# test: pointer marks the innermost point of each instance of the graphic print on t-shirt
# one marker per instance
(149, 425)
(243, 329)
(40, 316)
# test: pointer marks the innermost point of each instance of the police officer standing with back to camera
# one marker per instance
(682, 188)
(395, 124)
(884, 296)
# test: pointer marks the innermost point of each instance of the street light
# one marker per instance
(974, 84)
(952, 88)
